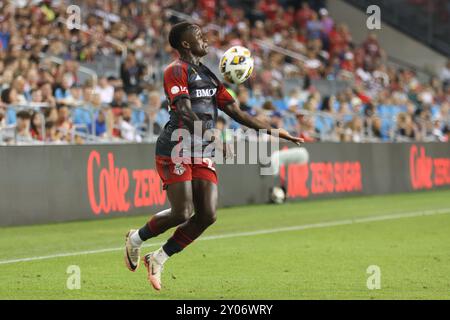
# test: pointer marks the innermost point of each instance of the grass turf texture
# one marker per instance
(317, 263)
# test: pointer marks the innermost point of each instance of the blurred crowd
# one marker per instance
(43, 99)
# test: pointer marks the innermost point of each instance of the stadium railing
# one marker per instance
(327, 127)
(84, 71)
(333, 125)
(325, 87)
(423, 75)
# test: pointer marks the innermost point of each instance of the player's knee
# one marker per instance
(209, 218)
(185, 213)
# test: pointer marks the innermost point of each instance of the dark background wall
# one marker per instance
(40, 184)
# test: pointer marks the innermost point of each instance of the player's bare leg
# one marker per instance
(180, 198)
(205, 197)
(205, 204)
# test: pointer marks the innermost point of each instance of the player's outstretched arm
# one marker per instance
(247, 120)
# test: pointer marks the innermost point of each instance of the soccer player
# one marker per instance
(194, 94)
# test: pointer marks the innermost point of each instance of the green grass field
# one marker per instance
(305, 250)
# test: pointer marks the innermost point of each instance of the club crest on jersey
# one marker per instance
(179, 169)
(199, 93)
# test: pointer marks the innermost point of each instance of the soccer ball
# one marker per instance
(277, 195)
(236, 65)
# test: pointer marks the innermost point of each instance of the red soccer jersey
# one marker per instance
(206, 93)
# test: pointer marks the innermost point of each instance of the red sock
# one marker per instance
(177, 242)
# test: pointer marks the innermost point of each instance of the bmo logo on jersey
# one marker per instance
(199, 93)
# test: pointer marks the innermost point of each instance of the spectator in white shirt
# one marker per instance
(127, 130)
(445, 73)
(105, 90)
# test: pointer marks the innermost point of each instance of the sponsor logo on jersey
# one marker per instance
(177, 89)
(199, 93)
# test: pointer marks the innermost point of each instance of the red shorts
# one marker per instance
(170, 172)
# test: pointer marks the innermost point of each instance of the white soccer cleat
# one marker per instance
(132, 252)
(154, 270)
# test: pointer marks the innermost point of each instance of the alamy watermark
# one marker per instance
(74, 279)
(374, 20)
(374, 280)
(225, 146)
(73, 17)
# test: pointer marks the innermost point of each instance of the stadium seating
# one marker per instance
(94, 83)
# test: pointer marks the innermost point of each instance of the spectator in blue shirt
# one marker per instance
(62, 94)
(137, 113)
(100, 123)
(83, 113)
(257, 98)
(5, 36)
(314, 27)
(9, 97)
(157, 113)
(279, 100)
(243, 98)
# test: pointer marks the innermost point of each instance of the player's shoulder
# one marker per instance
(176, 68)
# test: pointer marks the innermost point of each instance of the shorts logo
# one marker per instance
(175, 89)
(179, 169)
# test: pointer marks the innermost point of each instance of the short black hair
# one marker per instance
(5, 96)
(49, 124)
(176, 33)
(23, 114)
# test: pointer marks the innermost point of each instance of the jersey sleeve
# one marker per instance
(176, 82)
(223, 97)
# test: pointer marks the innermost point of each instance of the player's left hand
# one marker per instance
(282, 133)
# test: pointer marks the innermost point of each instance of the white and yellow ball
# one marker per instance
(236, 65)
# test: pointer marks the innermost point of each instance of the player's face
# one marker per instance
(197, 41)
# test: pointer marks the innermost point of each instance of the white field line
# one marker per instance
(251, 233)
